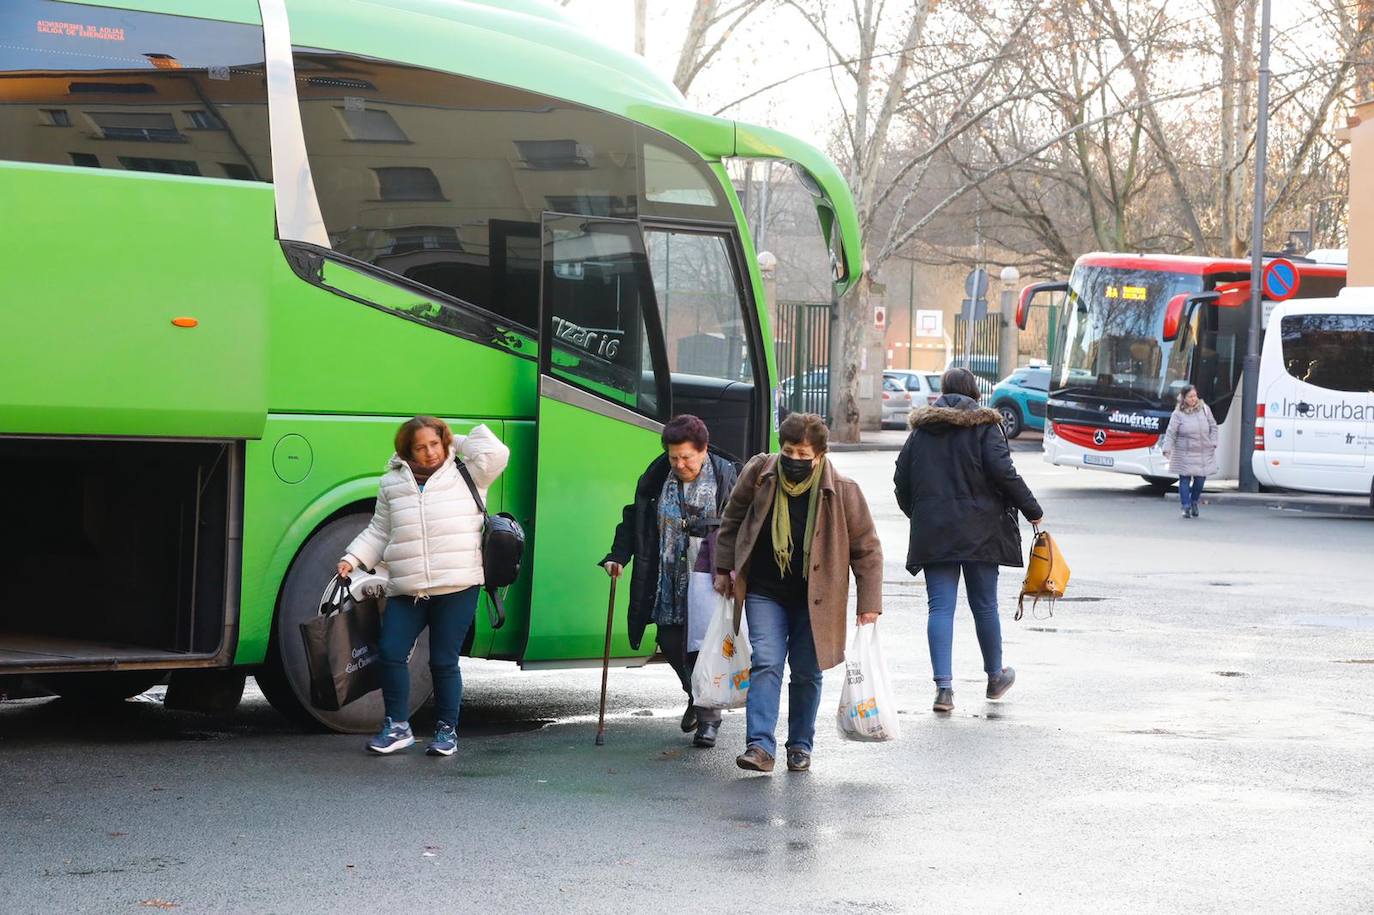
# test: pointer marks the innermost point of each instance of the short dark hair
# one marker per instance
(960, 381)
(405, 436)
(686, 428)
(805, 429)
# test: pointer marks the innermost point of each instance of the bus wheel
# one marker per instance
(1160, 484)
(285, 678)
(1011, 418)
(102, 687)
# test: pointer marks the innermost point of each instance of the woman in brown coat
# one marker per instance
(792, 530)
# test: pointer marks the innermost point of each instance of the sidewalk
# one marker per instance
(1290, 501)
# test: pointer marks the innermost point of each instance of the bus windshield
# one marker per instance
(1113, 344)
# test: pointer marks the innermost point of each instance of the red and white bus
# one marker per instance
(1133, 331)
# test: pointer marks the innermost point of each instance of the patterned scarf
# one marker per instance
(782, 517)
(698, 500)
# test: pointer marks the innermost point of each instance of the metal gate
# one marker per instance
(980, 358)
(803, 351)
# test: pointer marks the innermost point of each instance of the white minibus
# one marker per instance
(1314, 427)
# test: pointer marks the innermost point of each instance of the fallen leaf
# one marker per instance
(118, 834)
(159, 904)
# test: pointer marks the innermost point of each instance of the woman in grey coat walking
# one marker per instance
(1190, 444)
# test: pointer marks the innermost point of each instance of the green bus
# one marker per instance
(245, 238)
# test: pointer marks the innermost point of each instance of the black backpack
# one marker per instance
(503, 546)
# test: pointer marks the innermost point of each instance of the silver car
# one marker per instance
(921, 389)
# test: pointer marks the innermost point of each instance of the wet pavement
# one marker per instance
(1192, 730)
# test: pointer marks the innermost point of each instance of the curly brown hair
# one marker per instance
(405, 436)
(805, 429)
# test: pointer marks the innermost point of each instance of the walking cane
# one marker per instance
(605, 668)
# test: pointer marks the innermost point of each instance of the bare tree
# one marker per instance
(711, 26)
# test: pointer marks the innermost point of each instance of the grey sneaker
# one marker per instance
(391, 737)
(1194, 509)
(445, 740)
(1187, 513)
(998, 684)
(944, 700)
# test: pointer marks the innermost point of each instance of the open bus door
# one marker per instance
(603, 398)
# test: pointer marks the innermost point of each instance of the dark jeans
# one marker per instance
(777, 634)
(1190, 490)
(683, 662)
(942, 594)
(449, 617)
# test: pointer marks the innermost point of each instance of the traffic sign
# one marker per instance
(1279, 279)
(976, 283)
(880, 316)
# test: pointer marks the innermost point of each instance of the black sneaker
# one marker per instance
(998, 684)
(689, 718)
(944, 700)
(1194, 509)
(1187, 513)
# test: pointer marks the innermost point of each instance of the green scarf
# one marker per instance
(782, 517)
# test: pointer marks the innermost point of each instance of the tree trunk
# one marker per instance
(692, 43)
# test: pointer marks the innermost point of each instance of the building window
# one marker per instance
(552, 155)
(372, 125)
(164, 166)
(86, 160)
(204, 120)
(237, 170)
(137, 125)
(58, 117)
(407, 183)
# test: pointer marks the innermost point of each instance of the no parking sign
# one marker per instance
(1279, 280)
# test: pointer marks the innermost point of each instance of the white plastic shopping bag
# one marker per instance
(868, 710)
(702, 601)
(721, 676)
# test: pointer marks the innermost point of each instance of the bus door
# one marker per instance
(603, 398)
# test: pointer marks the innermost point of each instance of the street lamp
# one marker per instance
(1250, 372)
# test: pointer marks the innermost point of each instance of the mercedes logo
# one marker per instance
(1100, 437)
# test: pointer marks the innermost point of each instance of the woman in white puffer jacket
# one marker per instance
(428, 530)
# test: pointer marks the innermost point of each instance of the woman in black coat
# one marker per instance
(956, 482)
(678, 499)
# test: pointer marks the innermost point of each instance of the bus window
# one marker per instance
(139, 91)
(1331, 351)
(443, 179)
(596, 292)
(705, 333)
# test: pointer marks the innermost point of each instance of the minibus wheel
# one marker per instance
(285, 678)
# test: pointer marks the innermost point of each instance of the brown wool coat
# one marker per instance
(845, 539)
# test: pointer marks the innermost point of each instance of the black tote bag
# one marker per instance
(342, 648)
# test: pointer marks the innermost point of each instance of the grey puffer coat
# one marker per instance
(1190, 443)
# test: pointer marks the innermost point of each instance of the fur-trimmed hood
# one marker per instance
(953, 410)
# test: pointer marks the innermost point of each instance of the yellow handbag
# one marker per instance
(1047, 574)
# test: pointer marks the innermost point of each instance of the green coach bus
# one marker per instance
(243, 239)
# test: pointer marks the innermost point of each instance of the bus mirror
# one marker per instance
(1029, 293)
(1179, 311)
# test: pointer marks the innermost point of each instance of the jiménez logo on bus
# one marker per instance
(1135, 420)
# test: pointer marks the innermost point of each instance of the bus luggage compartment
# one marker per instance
(118, 554)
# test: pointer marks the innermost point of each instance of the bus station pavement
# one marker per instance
(1190, 731)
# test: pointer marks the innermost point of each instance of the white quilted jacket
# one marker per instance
(431, 540)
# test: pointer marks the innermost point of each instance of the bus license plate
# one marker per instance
(1099, 460)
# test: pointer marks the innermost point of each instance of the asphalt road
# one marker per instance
(1192, 730)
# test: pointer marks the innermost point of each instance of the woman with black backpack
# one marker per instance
(428, 529)
(956, 482)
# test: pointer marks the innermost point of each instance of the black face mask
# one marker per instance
(796, 469)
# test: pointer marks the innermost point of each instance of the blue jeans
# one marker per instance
(778, 634)
(1190, 490)
(942, 593)
(449, 617)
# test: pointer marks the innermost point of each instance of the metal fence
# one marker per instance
(803, 351)
(981, 357)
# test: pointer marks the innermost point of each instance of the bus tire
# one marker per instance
(1012, 423)
(285, 678)
(1160, 484)
(102, 687)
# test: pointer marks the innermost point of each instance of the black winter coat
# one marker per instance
(636, 536)
(956, 482)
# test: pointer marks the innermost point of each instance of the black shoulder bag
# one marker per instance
(503, 546)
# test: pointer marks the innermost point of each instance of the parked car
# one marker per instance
(896, 402)
(924, 386)
(814, 396)
(1020, 398)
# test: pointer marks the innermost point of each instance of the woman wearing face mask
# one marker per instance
(428, 530)
(792, 530)
(1190, 444)
(677, 504)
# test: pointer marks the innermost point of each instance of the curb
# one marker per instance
(1344, 506)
